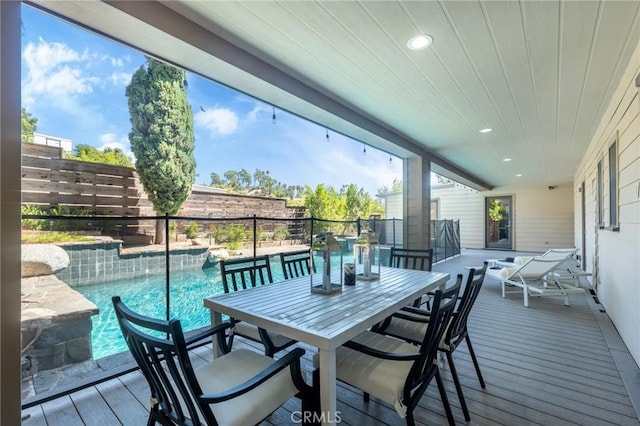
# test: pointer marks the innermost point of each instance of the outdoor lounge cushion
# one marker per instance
(379, 377)
(235, 368)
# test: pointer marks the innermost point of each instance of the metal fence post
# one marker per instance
(393, 227)
(255, 235)
(167, 259)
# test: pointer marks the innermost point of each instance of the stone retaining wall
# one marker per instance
(56, 324)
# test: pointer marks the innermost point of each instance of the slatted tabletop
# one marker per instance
(325, 321)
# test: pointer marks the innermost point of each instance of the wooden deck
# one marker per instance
(547, 365)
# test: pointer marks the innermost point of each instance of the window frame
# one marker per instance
(614, 206)
(599, 195)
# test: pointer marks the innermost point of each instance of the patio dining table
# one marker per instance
(325, 321)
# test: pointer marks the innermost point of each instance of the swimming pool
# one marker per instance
(146, 295)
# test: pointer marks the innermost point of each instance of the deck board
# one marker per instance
(546, 364)
(125, 405)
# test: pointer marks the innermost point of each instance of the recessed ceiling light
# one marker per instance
(486, 130)
(420, 42)
(518, 175)
(506, 159)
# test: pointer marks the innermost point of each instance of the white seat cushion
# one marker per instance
(381, 378)
(250, 330)
(412, 330)
(235, 368)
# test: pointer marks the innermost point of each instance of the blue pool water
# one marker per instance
(146, 295)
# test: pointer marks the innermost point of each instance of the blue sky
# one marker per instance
(74, 83)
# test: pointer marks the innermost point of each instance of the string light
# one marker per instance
(390, 159)
(364, 149)
(327, 134)
(273, 115)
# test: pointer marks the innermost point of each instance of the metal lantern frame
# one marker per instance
(326, 279)
(366, 251)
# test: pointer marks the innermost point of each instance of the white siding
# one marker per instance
(393, 210)
(467, 206)
(615, 255)
(542, 218)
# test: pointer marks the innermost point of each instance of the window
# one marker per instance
(613, 185)
(599, 195)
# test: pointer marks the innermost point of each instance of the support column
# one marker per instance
(10, 400)
(417, 202)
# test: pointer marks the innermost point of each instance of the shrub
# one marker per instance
(192, 230)
(261, 235)
(33, 224)
(280, 233)
(231, 235)
(235, 236)
(217, 233)
(67, 224)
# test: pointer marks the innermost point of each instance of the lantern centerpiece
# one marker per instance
(328, 278)
(366, 252)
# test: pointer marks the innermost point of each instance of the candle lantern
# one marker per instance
(328, 278)
(366, 252)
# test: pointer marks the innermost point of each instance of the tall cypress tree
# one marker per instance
(162, 136)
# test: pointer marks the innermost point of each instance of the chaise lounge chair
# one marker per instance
(538, 276)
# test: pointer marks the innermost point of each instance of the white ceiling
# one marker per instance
(540, 73)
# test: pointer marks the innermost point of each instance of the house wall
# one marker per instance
(393, 210)
(543, 218)
(613, 256)
(463, 204)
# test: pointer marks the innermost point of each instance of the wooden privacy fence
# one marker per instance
(48, 181)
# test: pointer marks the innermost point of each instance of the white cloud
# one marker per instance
(219, 120)
(120, 78)
(42, 57)
(54, 69)
(114, 62)
(257, 110)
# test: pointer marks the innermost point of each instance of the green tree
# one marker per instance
(162, 136)
(92, 154)
(396, 186)
(245, 179)
(324, 203)
(217, 181)
(232, 180)
(350, 203)
(29, 125)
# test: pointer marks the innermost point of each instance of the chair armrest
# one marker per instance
(289, 360)
(218, 330)
(380, 354)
